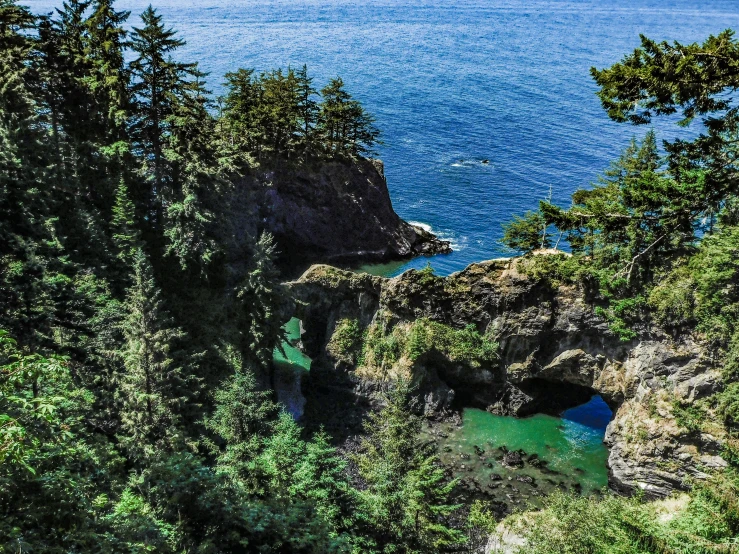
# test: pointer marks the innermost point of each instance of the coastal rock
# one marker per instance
(337, 212)
(554, 352)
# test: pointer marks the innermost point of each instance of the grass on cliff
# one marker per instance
(378, 350)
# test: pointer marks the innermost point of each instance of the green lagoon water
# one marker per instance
(564, 452)
(290, 367)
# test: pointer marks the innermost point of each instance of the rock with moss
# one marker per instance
(498, 337)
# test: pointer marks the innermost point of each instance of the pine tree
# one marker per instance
(154, 387)
(158, 85)
(276, 114)
(239, 106)
(307, 109)
(345, 127)
(25, 184)
(262, 305)
(407, 496)
(105, 50)
(125, 233)
(199, 184)
(333, 120)
(242, 418)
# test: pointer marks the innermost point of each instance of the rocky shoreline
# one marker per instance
(554, 351)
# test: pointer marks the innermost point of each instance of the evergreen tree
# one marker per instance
(527, 233)
(276, 114)
(307, 109)
(406, 500)
(125, 234)
(105, 50)
(158, 85)
(262, 305)
(199, 184)
(239, 108)
(154, 387)
(242, 418)
(345, 127)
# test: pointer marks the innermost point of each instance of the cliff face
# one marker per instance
(336, 212)
(554, 352)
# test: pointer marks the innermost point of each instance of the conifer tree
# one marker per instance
(242, 418)
(276, 114)
(199, 184)
(154, 386)
(334, 119)
(345, 127)
(407, 496)
(125, 233)
(240, 102)
(21, 148)
(307, 109)
(158, 85)
(262, 305)
(105, 50)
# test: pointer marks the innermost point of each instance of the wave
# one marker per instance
(457, 243)
(425, 226)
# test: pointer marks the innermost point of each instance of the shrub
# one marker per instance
(346, 342)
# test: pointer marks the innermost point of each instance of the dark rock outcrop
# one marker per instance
(555, 352)
(338, 212)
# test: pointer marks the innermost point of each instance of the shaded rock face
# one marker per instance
(555, 352)
(338, 212)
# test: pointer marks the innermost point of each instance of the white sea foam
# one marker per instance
(455, 242)
(425, 226)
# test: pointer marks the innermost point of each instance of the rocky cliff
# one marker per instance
(338, 212)
(553, 352)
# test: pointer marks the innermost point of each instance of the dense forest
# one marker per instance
(137, 333)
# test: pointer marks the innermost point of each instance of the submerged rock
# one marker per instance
(513, 459)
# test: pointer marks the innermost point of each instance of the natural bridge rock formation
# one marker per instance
(554, 352)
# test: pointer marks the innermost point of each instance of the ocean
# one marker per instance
(453, 84)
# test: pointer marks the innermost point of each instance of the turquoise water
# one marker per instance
(452, 84)
(291, 365)
(564, 452)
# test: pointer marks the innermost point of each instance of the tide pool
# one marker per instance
(564, 452)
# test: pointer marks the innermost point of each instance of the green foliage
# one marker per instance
(154, 386)
(570, 524)
(384, 348)
(688, 416)
(347, 341)
(427, 276)
(261, 305)
(242, 418)
(527, 233)
(126, 236)
(406, 501)
(673, 300)
(277, 115)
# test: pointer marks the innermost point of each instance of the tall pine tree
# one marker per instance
(154, 386)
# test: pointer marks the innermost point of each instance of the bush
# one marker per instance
(414, 340)
(673, 300)
(346, 342)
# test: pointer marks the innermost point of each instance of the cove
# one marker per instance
(565, 453)
(290, 365)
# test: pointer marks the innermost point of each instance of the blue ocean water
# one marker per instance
(453, 84)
